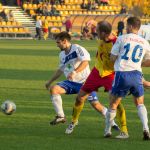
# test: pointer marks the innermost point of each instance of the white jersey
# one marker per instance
(70, 61)
(130, 49)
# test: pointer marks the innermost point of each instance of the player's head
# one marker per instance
(63, 40)
(104, 29)
(133, 25)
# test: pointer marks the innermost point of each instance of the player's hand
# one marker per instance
(47, 85)
(71, 75)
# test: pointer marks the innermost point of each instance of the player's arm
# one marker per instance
(56, 75)
(146, 84)
(146, 63)
(113, 57)
(80, 68)
(115, 50)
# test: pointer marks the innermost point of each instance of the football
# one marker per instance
(8, 107)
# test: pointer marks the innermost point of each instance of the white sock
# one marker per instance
(110, 115)
(142, 113)
(57, 102)
(104, 111)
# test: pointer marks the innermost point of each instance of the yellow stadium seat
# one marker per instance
(25, 6)
(3, 23)
(21, 30)
(75, 12)
(43, 18)
(71, 12)
(8, 23)
(1, 29)
(89, 12)
(68, 7)
(15, 29)
(73, 7)
(58, 7)
(54, 18)
(71, 1)
(32, 12)
(5, 29)
(14, 23)
(55, 24)
(34, 6)
(93, 12)
(58, 18)
(60, 24)
(48, 18)
(66, 1)
(29, 6)
(26, 30)
(64, 7)
(18, 23)
(63, 18)
(10, 29)
(50, 24)
(78, 7)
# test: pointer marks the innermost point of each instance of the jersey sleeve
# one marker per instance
(61, 64)
(116, 47)
(147, 53)
(83, 54)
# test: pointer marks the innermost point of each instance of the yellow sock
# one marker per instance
(121, 116)
(76, 112)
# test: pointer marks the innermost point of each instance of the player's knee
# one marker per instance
(79, 100)
(54, 90)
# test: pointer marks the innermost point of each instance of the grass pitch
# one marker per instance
(25, 66)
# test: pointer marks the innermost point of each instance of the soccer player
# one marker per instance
(74, 63)
(102, 75)
(129, 53)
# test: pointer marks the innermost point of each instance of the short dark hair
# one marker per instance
(63, 35)
(104, 26)
(134, 21)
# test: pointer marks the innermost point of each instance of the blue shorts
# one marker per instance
(74, 88)
(130, 81)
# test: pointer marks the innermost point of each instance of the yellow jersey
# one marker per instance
(103, 63)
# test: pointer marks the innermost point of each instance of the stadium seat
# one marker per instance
(30, 6)
(10, 29)
(63, 7)
(50, 24)
(58, 7)
(3, 23)
(48, 18)
(8, 23)
(68, 7)
(21, 30)
(53, 18)
(15, 29)
(14, 23)
(18, 24)
(58, 18)
(25, 6)
(1, 29)
(43, 18)
(34, 6)
(5, 29)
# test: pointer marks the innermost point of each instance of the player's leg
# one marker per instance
(64, 87)
(56, 99)
(142, 113)
(121, 117)
(111, 114)
(93, 99)
(77, 108)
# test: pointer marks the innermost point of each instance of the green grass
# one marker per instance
(25, 66)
